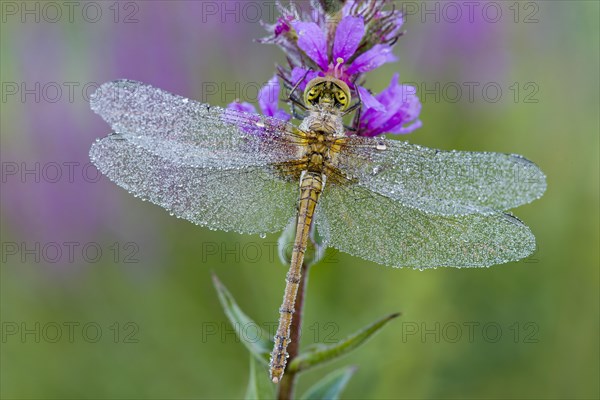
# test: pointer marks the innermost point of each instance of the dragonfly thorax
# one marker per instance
(323, 122)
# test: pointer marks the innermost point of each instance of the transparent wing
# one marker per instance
(443, 182)
(245, 200)
(383, 230)
(193, 133)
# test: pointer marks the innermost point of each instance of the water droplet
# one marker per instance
(262, 235)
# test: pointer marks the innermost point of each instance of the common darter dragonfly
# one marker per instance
(386, 201)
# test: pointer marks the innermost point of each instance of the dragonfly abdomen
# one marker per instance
(311, 187)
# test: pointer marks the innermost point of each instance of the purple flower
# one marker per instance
(394, 110)
(268, 101)
(360, 41)
(345, 62)
(282, 34)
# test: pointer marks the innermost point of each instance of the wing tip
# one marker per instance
(111, 90)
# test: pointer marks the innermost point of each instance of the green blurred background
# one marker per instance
(142, 320)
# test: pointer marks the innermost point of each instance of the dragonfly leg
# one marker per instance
(295, 102)
(296, 87)
(295, 112)
(355, 106)
(350, 128)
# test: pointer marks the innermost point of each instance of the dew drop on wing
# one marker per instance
(262, 235)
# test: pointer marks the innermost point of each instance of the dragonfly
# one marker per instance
(384, 200)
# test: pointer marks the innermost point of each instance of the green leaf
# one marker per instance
(259, 386)
(323, 353)
(331, 386)
(258, 344)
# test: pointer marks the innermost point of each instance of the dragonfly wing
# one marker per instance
(444, 182)
(196, 133)
(380, 229)
(243, 199)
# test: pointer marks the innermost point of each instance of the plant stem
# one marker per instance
(285, 389)
(331, 6)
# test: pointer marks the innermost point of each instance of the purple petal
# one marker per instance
(411, 108)
(390, 94)
(282, 115)
(398, 97)
(268, 97)
(371, 59)
(372, 112)
(312, 41)
(398, 22)
(410, 104)
(242, 106)
(371, 106)
(268, 101)
(368, 101)
(399, 106)
(348, 35)
(403, 130)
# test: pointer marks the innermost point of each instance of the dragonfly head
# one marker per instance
(328, 92)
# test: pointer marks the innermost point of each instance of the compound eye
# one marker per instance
(341, 98)
(312, 94)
